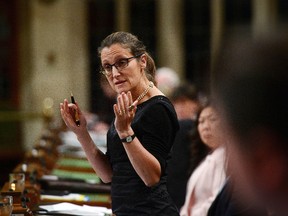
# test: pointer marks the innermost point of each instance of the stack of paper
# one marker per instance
(73, 209)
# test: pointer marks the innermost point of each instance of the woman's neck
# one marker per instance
(143, 92)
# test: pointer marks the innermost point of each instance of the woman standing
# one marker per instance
(141, 136)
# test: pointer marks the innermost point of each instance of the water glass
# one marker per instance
(17, 181)
(6, 205)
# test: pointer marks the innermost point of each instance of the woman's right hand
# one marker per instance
(68, 115)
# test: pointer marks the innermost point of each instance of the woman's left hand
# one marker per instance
(124, 114)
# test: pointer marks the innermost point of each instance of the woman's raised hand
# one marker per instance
(68, 115)
(124, 111)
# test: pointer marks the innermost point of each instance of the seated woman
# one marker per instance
(209, 176)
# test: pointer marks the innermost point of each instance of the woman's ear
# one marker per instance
(143, 61)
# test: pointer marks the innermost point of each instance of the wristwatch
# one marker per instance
(128, 139)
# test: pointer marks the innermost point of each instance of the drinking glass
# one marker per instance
(6, 205)
(17, 181)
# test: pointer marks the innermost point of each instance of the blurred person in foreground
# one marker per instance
(209, 176)
(139, 139)
(251, 89)
(187, 105)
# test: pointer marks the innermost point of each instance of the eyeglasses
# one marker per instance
(119, 65)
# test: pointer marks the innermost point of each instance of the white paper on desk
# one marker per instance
(73, 209)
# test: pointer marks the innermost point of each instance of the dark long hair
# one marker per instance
(198, 150)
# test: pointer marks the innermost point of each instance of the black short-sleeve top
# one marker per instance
(155, 125)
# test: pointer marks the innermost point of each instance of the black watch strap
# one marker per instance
(128, 139)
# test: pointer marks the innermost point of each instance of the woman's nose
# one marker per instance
(205, 124)
(115, 71)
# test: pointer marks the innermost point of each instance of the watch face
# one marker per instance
(129, 139)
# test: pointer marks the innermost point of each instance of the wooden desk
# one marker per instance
(74, 175)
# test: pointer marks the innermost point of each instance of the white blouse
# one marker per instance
(204, 184)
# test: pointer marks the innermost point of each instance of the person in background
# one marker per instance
(167, 80)
(186, 101)
(251, 89)
(209, 176)
(141, 136)
(187, 105)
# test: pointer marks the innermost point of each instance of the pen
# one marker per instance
(77, 120)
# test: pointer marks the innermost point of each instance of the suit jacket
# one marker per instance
(227, 204)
